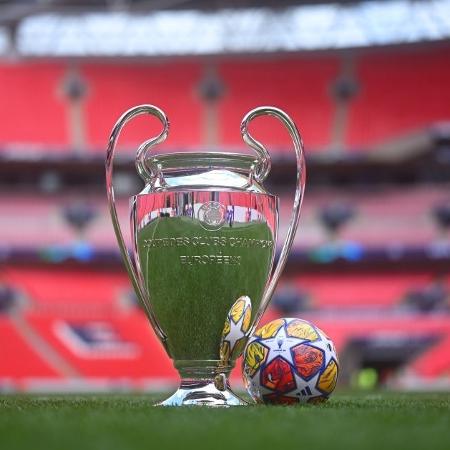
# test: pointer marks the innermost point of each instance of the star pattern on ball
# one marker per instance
(310, 389)
(282, 346)
(237, 324)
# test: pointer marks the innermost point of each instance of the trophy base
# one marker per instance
(203, 394)
(200, 390)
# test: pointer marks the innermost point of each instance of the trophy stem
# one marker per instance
(203, 384)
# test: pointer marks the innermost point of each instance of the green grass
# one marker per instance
(376, 421)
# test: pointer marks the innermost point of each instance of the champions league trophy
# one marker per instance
(204, 233)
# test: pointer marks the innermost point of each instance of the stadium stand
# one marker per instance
(436, 361)
(37, 120)
(19, 360)
(97, 337)
(74, 327)
(77, 290)
(109, 89)
(387, 215)
(400, 92)
(172, 85)
(267, 82)
(119, 346)
(363, 291)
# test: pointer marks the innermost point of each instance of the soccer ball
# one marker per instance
(290, 361)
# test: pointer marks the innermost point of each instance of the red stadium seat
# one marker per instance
(359, 291)
(32, 108)
(144, 358)
(436, 361)
(401, 91)
(297, 85)
(18, 359)
(74, 289)
(115, 88)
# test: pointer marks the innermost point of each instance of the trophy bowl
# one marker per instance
(204, 232)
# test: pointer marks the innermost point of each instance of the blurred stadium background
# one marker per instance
(368, 84)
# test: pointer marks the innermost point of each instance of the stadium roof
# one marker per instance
(152, 29)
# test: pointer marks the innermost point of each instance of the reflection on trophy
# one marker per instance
(204, 235)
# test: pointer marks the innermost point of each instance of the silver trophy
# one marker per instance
(204, 233)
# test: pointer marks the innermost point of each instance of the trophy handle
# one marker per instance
(147, 174)
(260, 173)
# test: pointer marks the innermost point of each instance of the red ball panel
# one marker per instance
(308, 360)
(278, 376)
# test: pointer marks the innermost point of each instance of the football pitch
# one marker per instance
(381, 421)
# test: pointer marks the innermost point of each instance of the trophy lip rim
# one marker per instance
(202, 155)
(191, 162)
